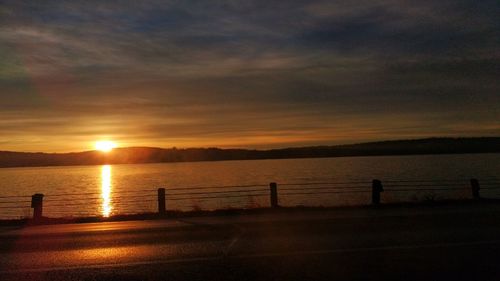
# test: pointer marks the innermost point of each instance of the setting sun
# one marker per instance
(105, 146)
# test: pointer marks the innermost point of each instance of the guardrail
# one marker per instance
(271, 190)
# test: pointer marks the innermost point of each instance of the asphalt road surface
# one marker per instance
(425, 243)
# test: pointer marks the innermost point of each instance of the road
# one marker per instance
(425, 243)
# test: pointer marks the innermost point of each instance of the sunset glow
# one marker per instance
(310, 75)
(105, 146)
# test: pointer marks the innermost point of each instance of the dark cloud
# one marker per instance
(245, 73)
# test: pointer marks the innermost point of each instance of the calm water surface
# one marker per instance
(115, 189)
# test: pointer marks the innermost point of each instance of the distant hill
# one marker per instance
(157, 155)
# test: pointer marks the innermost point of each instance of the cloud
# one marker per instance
(245, 73)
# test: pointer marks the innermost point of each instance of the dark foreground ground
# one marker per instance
(400, 243)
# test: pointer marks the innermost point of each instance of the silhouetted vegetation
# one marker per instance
(158, 155)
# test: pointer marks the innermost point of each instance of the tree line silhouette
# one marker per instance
(157, 155)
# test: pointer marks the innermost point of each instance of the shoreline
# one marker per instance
(257, 159)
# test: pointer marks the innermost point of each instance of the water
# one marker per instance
(116, 189)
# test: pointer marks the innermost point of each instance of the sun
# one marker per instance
(105, 146)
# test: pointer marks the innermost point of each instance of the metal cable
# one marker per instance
(424, 189)
(14, 207)
(323, 187)
(318, 183)
(96, 193)
(15, 196)
(14, 202)
(216, 192)
(417, 185)
(215, 187)
(214, 197)
(326, 192)
(416, 181)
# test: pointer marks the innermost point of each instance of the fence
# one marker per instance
(163, 197)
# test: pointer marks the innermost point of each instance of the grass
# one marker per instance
(237, 212)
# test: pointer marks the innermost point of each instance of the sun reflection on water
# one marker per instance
(106, 190)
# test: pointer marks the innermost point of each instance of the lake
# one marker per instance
(117, 189)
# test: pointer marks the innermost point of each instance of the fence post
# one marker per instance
(376, 189)
(474, 184)
(274, 194)
(161, 201)
(37, 205)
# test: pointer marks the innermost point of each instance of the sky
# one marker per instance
(246, 74)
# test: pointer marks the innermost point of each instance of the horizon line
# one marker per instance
(257, 149)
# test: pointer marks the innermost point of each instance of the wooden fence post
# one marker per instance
(37, 205)
(274, 194)
(474, 184)
(376, 189)
(161, 201)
